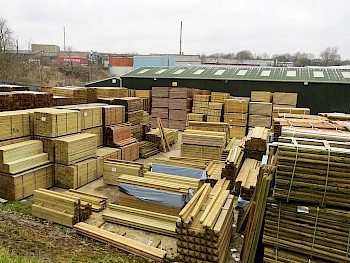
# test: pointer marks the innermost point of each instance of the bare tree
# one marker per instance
(330, 56)
(6, 38)
(244, 54)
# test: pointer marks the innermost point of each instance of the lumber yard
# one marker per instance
(179, 174)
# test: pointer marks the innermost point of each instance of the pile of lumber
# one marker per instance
(14, 124)
(210, 126)
(75, 148)
(12, 141)
(137, 131)
(62, 101)
(147, 149)
(21, 100)
(180, 104)
(332, 135)
(130, 103)
(98, 131)
(22, 156)
(121, 242)
(9, 88)
(260, 109)
(77, 174)
(204, 226)
(219, 97)
(111, 92)
(55, 122)
(214, 112)
(195, 163)
(105, 153)
(261, 96)
(256, 143)
(233, 157)
(155, 136)
(214, 171)
(129, 149)
(194, 117)
(313, 171)
(134, 117)
(78, 95)
(160, 106)
(142, 219)
(247, 179)
(143, 93)
(60, 208)
(98, 202)
(113, 114)
(236, 114)
(200, 151)
(22, 185)
(289, 110)
(117, 133)
(114, 168)
(284, 99)
(200, 104)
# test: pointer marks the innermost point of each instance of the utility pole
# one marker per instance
(64, 38)
(180, 38)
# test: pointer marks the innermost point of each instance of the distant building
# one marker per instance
(46, 50)
(233, 62)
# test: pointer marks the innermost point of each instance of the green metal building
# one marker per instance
(320, 89)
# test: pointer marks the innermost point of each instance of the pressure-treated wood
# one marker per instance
(247, 179)
(114, 168)
(14, 124)
(98, 202)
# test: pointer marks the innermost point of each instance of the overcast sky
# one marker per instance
(153, 26)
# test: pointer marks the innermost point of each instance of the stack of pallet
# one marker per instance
(23, 168)
(236, 114)
(260, 109)
(203, 144)
(78, 95)
(155, 136)
(75, 163)
(180, 104)
(145, 96)
(147, 149)
(204, 226)
(256, 143)
(60, 208)
(115, 168)
(219, 97)
(160, 106)
(200, 104)
(111, 92)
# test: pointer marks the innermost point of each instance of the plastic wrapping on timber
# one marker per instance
(180, 171)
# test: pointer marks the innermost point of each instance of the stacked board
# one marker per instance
(103, 154)
(247, 179)
(210, 126)
(204, 226)
(78, 95)
(155, 136)
(180, 104)
(117, 133)
(22, 100)
(236, 114)
(115, 168)
(260, 109)
(111, 92)
(160, 106)
(256, 143)
(14, 124)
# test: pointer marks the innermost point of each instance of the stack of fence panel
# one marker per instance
(160, 106)
(203, 144)
(200, 104)
(236, 114)
(180, 104)
(204, 226)
(260, 109)
(76, 164)
(24, 167)
(309, 217)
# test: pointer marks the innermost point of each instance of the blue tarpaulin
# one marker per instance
(180, 171)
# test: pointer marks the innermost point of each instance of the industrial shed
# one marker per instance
(110, 82)
(320, 89)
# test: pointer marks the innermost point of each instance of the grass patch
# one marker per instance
(8, 257)
(19, 207)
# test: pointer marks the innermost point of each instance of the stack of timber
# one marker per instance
(155, 136)
(142, 219)
(200, 104)
(260, 114)
(204, 226)
(210, 126)
(195, 163)
(194, 117)
(22, 185)
(214, 171)
(121, 242)
(219, 97)
(78, 95)
(256, 143)
(76, 175)
(161, 193)
(214, 112)
(247, 179)
(180, 104)
(203, 144)
(62, 101)
(313, 171)
(75, 148)
(117, 133)
(6, 101)
(17, 140)
(105, 153)
(18, 157)
(254, 217)
(60, 208)
(114, 168)
(129, 149)
(283, 99)
(9, 88)
(98, 131)
(236, 114)
(133, 108)
(98, 202)
(304, 121)
(137, 131)
(289, 110)
(261, 96)
(145, 96)
(234, 153)
(113, 114)
(160, 106)
(146, 125)
(147, 149)
(14, 124)
(21, 100)
(55, 122)
(131, 93)
(111, 92)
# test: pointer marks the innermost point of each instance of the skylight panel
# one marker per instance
(160, 71)
(198, 72)
(242, 72)
(219, 72)
(265, 73)
(143, 71)
(318, 74)
(291, 73)
(346, 75)
(179, 71)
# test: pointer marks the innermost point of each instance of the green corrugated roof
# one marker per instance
(324, 75)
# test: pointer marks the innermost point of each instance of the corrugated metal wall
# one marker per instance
(319, 97)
